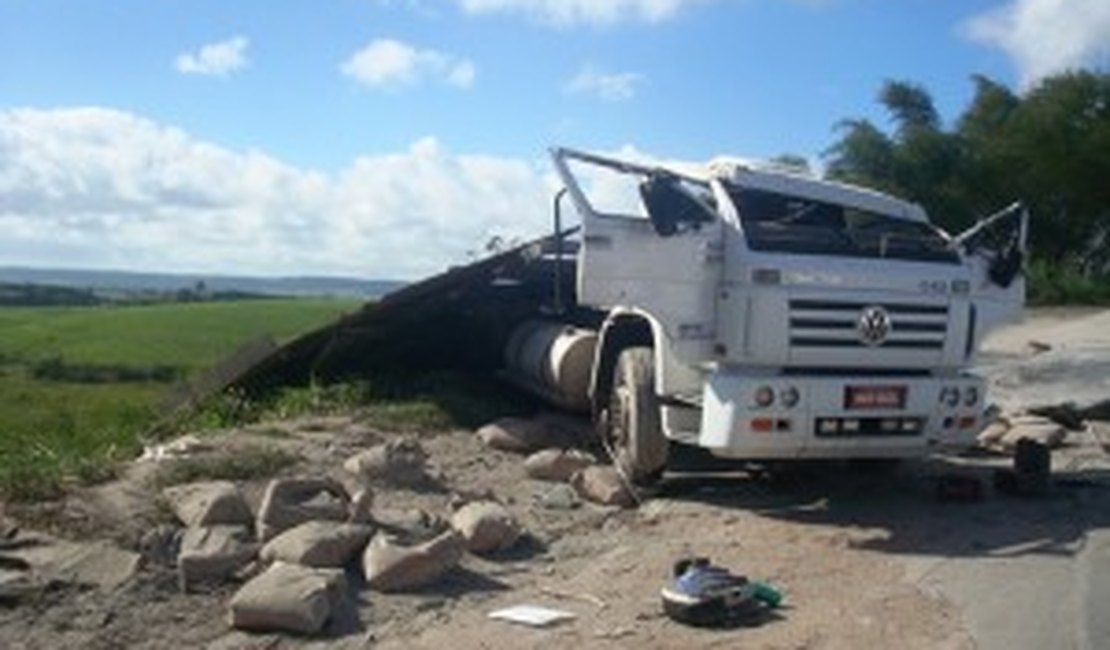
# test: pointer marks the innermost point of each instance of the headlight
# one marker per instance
(971, 396)
(764, 396)
(790, 397)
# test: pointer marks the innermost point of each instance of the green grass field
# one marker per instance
(53, 430)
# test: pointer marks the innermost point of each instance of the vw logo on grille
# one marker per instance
(873, 325)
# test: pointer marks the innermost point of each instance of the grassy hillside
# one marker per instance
(52, 426)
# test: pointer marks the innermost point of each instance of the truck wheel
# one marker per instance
(634, 429)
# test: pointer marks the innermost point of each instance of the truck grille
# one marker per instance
(836, 324)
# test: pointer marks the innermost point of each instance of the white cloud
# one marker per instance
(388, 63)
(103, 188)
(571, 12)
(216, 59)
(1044, 37)
(462, 74)
(610, 87)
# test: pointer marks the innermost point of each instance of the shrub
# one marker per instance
(1054, 283)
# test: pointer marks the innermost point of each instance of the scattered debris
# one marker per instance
(603, 484)
(396, 462)
(289, 502)
(1036, 428)
(1038, 347)
(705, 595)
(526, 435)
(208, 503)
(1066, 415)
(556, 464)
(532, 615)
(212, 554)
(390, 566)
(991, 436)
(1031, 475)
(412, 523)
(161, 544)
(559, 497)
(361, 507)
(322, 544)
(1099, 410)
(288, 597)
(487, 526)
(179, 448)
(1046, 426)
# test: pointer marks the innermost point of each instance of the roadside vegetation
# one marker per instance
(393, 400)
(80, 385)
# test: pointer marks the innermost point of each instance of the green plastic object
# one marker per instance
(766, 594)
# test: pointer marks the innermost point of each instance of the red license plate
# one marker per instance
(875, 397)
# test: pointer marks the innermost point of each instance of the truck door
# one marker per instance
(665, 260)
(995, 250)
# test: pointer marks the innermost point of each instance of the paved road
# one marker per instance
(1052, 592)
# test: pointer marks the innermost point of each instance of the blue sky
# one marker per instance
(391, 137)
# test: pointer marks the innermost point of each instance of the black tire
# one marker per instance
(634, 427)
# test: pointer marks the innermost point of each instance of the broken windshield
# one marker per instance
(780, 223)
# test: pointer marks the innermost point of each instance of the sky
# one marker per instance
(393, 138)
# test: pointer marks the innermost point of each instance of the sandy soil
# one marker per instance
(862, 558)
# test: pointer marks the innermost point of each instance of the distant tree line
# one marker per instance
(37, 295)
(41, 295)
(1048, 147)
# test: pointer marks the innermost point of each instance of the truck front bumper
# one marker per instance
(864, 416)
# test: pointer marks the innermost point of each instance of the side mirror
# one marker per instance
(669, 205)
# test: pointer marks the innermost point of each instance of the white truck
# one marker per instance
(760, 313)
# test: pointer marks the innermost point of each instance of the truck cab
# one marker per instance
(761, 313)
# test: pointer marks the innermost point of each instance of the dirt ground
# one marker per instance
(862, 557)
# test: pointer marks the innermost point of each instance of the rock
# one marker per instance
(289, 502)
(559, 497)
(412, 524)
(524, 436)
(289, 598)
(16, 588)
(602, 484)
(1066, 415)
(323, 544)
(1097, 411)
(397, 462)
(556, 464)
(486, 526)
(96, 564)
(993, 433)
(1101, 433)
(161, 544)
(361, 507)
(208, 503)
(1037, 347)
(390, 566)
(212, 554)
(1034, 428)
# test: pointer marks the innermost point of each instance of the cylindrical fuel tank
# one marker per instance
(553, 361)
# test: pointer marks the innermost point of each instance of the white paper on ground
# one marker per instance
(533, 615)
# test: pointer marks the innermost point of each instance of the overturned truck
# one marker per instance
(748, 311)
